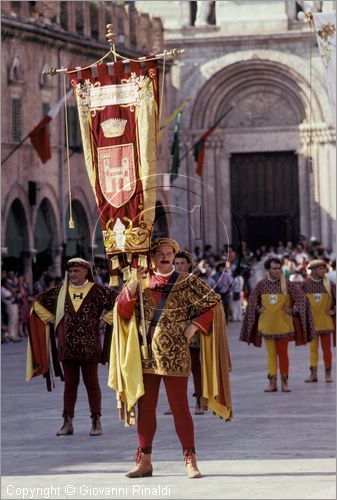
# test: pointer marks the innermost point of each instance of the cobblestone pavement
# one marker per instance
(278, 446)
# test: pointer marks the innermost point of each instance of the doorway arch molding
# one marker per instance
(225, 77)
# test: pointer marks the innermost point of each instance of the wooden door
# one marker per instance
(264, 198)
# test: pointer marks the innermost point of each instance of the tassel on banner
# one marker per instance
(134, 274)
(113, 281)
(129, 257)
(142, 260)
(126, 273)
(114, 263)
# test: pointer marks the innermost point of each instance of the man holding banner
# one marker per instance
(118, 113)
(176, 306)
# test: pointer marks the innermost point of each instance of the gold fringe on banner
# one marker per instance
(113, 281)
(126, 273)
(114, 262)
(142, 260)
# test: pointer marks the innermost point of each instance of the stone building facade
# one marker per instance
(35, 196)
(269, 170)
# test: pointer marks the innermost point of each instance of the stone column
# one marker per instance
(71, 17)
(304, 194)
(309, 149)
(202, 13)
(331, 152)
(24, 9)
(209, 211)
(29, 255)
(6, 7)
(57, 260)
(101, 22)
(196, 203)
(323, 183)
(224, 195)
(315, 194)
(180, 199)
(86, 19)
(325, 153)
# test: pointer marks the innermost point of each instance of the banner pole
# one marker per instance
(144, 347)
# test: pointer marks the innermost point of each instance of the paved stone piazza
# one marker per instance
(278, 446)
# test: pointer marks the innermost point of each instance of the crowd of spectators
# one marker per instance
(233, 273)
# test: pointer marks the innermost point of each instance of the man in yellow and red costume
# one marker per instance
(321, 293)
(279, 312)
(176, 306)
(75, 308)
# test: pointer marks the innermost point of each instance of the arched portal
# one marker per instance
(160, 229)
(272, 117)
(16, 239)
(45, 238)
(79, 240)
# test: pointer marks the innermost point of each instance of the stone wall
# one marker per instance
(41, 35)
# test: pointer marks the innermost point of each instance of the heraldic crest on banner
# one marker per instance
(116, 173)
(118, 114)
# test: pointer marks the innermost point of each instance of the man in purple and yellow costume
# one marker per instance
(176, 306)
(321, 293)
(75, 308)
(279, 312)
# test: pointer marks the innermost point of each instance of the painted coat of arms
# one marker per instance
(117, 175)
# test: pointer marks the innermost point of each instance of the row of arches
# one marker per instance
(42, 241)
(46, 249)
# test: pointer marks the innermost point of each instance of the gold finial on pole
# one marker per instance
(309, 18)
(51, 71)
(110, 36)
(174, 52)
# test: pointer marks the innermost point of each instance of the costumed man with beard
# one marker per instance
(75, 308)
(279, 312)
(321, 293)
(176, 306)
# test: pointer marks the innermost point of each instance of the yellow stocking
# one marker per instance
(314, 352)
(272, 357)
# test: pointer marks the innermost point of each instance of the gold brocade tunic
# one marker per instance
(274, 321)
(320, 303)
(189, 298)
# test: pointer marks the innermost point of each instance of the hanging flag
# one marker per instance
(173, 116)
(325, 27)
(199, 147)
(175, 149)
(118, 113)
(39, 136)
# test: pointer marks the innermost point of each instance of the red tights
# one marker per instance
(176, 390)
(196, 370)
(71, 371)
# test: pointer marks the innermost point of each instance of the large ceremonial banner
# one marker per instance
(325, 27)
(118, 113)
